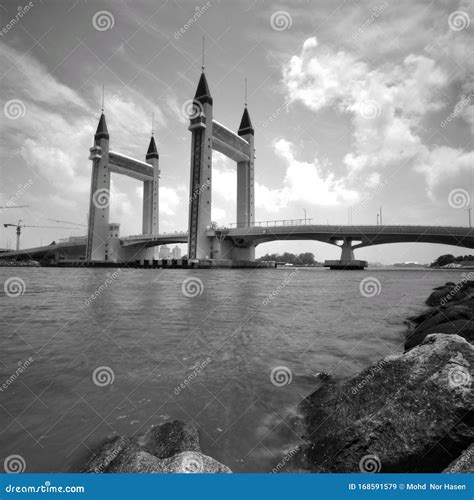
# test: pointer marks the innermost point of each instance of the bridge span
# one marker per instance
(238, 243)
(348, 238)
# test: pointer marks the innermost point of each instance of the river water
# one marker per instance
(89, 352)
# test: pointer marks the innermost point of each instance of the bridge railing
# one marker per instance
(272, 223)
(286, 224)
(153, 236)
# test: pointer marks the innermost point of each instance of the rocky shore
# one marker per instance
(170, 447)
(409, 412)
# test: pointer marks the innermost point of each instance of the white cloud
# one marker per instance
(386, 105)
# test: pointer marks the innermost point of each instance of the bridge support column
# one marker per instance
(151, 192)
(199, 245)
(98, 227)
(347, 252)
(147, 207)
(246, 176)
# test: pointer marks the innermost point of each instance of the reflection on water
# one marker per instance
(205, 359)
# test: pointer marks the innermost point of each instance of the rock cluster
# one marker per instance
(170, 447)
(451, 312)
(409, 412)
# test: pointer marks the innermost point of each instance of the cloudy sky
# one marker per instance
(354, 104)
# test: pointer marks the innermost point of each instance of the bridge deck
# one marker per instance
(363, 235)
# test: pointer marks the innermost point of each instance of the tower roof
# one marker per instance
(245, 124)
(102, 132)
(203, 94)
(152, 150)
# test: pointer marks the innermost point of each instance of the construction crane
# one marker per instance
(13, 206)
(67, 222)
(20, 226)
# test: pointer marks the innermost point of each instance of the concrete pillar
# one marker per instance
(246, 176)
(200, 193)
(347, 253)
(98, 226)
(151, 191)
(147, 207)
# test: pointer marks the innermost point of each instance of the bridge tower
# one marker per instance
(98, 227)
(245, 176)
(200, 125)
(150, 221)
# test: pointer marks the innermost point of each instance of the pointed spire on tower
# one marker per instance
(102, 132)
(245, 123)
(203, 95)
(152, 149)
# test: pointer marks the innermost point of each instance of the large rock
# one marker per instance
(461, 327)
(170, 438)
(138, 461)
(170, 447)
(412, 412)
(450, 292)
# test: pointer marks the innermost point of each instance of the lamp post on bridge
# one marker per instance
(469, 215)
(304, 210)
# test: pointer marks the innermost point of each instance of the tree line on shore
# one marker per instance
(444, 260)
(302, 259)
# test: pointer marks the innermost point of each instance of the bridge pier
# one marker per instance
(347, 260)
(347, 252)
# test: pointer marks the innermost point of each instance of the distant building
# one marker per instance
(176, 252)
(165, 252)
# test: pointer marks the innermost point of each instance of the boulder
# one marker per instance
(139, 461)
(411, 412)
(449, 293)
(464, 463)
(168, 439)
(170, 447)
(461, 327)
(443, 315)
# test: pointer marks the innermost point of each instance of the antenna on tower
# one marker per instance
(202, 67)
(245, 92)
(153, 123)
(103, 93)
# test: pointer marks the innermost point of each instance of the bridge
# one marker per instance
(206, 241)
